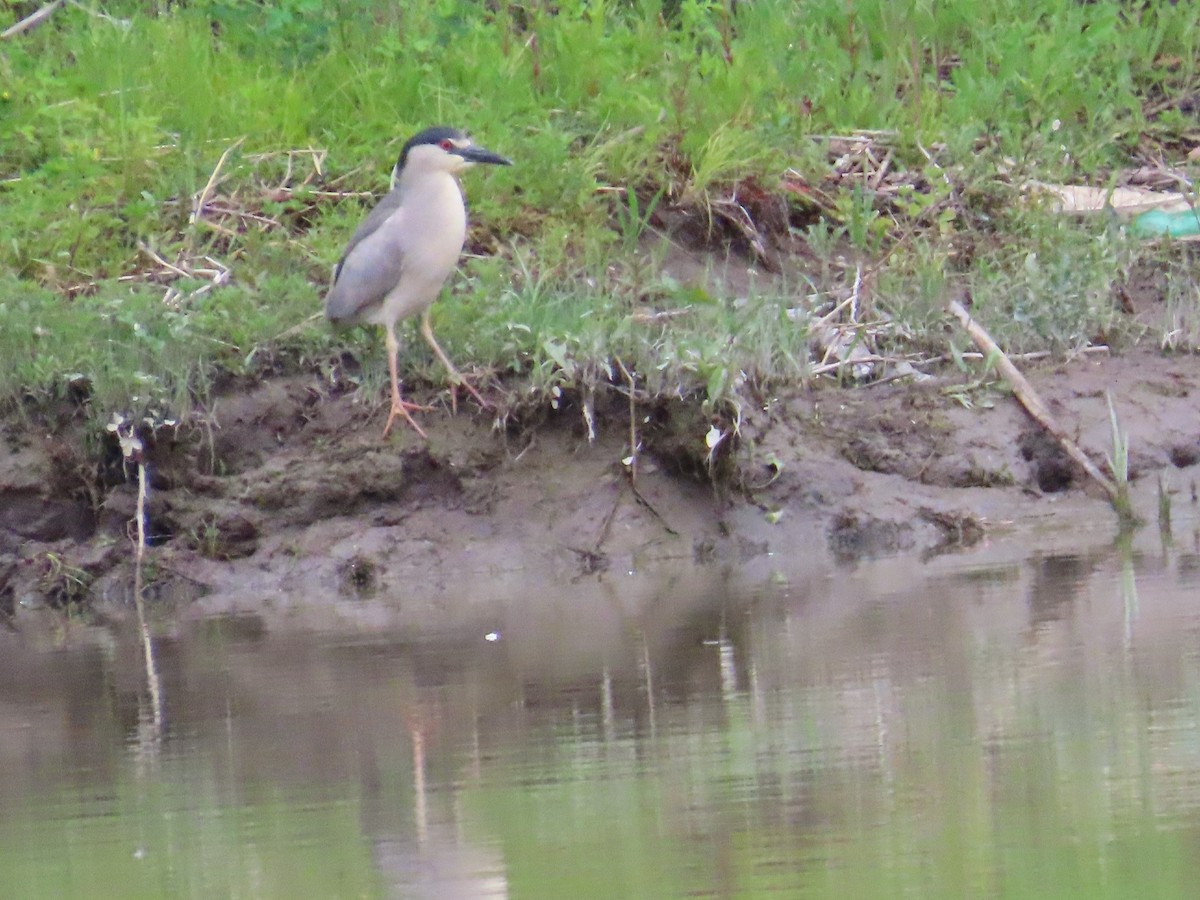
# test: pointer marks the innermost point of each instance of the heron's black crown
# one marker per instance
(434, 135)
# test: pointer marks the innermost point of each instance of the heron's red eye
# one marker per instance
(447, 145)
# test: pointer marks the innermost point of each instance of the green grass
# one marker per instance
(110, 128)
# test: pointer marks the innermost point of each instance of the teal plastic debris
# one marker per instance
(1159, 223)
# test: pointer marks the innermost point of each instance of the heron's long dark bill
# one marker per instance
(480, 155)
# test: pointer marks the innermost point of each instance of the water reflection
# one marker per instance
(991, 724)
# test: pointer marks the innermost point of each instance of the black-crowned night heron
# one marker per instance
(396, 263)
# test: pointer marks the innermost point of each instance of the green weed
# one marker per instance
(1118, 467)
(61, 583)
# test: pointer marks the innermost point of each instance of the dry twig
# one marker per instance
(202, 198)
(32, 20)
(1031, 401)
(634, 443)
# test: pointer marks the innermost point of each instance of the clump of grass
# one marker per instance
(63, 584)
(1181, 316)
(1050, 283)
(560, 327)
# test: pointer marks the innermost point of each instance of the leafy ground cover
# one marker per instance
(177, 179)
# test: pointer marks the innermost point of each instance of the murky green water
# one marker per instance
(1009, 723)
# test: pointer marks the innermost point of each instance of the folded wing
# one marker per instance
(370, 267)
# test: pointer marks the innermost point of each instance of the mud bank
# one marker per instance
(285, 489)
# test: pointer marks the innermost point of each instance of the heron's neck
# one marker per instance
(438, 180)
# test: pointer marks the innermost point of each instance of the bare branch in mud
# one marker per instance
(1031, 401)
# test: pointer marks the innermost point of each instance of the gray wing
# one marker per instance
(371, 265)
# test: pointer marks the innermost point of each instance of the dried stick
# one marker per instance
(297, 328)
(1029, 399)
(202, 199)
(634, 444)
(32, 20)
(170, 267)
(152, 679)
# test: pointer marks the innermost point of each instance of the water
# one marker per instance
(1013, 722)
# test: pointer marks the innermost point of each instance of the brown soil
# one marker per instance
(287, 490)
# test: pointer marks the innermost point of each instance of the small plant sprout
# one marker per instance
(126, 434)
(1118, 467)
(64, 583)
(712, 440)
(1164, 505)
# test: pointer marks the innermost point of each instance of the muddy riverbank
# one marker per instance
(286, 487)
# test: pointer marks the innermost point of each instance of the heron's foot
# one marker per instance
(401, 408)
(461, 381)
